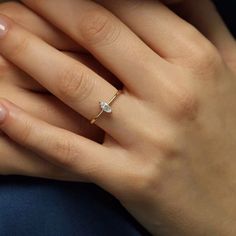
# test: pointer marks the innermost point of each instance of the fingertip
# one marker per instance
(7, 109)
(3, 111)
(5, 23)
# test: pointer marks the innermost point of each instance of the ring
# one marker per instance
(106, 107)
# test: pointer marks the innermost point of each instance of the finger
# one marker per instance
(51, 110)
(16, 160)
(71, 81)
(89, 61)
(165, 32)
(205, 17)
(10, 74)
(63, 148)
(14, 76)
(107, 38)
(38, 26)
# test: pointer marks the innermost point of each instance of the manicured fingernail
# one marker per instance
(3, 113)
(3, 27)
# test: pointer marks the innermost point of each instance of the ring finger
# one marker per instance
(71, 81)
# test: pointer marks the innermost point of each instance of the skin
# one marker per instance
(169, 151)
(25, 93)
(18, 87)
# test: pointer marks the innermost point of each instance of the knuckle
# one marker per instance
(19, 47)
(98, 27)
(75, 84)
(202, 56)
(25, 135)
(190, 32)
(205, 59)
(144, 181)
(165, 144)
(151, 177)
(66, 153)
(185, 106)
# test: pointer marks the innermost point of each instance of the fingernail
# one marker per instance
(3, 113)
(3, 27)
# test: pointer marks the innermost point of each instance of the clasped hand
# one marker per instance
(169, 149)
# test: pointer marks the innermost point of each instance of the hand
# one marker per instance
(204, 16)
(28, 94)
(169, 152)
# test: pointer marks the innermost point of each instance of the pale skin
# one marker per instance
(22, 90)
(28, 94)
(169, 151)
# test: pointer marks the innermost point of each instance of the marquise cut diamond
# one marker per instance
(105, 107)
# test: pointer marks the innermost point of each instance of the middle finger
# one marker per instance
(108, 39)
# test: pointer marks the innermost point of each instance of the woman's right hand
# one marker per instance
(25, 92)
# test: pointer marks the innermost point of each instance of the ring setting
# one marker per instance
(106, 107)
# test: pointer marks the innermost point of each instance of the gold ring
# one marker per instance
(106, 107)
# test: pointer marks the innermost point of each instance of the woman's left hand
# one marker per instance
(169, 153)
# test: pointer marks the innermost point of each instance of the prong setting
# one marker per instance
(105, 107)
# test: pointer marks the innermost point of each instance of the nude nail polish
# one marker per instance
(3, 27)
(3, 113)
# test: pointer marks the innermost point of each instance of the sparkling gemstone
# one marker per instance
(105, 107)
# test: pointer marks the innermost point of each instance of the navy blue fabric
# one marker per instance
(34, 207)
(37, 207)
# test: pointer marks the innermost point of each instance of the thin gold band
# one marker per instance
(109, 103)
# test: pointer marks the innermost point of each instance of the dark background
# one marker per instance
(227, 8)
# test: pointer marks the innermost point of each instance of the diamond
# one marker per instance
(105, 107)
